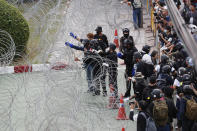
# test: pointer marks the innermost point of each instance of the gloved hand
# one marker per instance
(105, 64)
(69, 44)
(99, 51)
(107, 49)
(96, 51)
(72, 35)
(119, 54)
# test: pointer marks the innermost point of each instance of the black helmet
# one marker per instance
(189, 61)
(153, 79)
(181, 71)
(166, 69)
(98, 29)
(164, 59)
(112, 46)
(137, 55)
(125, 30)
(128, 42)
(146, 48)
(187, 90)
(186, 78)
(168, 91)
(156, 93)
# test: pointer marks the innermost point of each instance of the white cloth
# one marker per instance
(157, 68)
(191, 20)
(176, 83)
(147, 59)
(135, 117)
(163, 48)
(170, 39)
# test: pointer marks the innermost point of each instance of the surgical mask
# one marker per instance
(165, 31)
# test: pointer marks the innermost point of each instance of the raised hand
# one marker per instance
(69, 44)
(72, 35)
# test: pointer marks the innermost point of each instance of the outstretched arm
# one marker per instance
(75, 36)
(74, 46)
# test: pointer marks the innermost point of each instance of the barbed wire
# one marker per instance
(57, 100)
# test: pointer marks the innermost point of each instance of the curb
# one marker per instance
(32, 68)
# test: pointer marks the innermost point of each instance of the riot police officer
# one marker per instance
(125, 36)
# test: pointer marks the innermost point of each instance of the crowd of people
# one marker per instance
(165, 86)
(171, 89)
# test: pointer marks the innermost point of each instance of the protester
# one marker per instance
(90, 61)
(188, 116)
(144, 120)
(154, 57)
(162, 110)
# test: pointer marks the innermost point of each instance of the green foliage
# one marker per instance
(12, 21)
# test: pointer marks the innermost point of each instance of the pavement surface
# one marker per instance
(83, 16)
(57, 100)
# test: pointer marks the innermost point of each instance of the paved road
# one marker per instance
(56, 101)
(83, 16)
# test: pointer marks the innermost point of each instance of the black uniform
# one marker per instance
(128, 59)
(102, 41)
(102, 44)
(122, 45)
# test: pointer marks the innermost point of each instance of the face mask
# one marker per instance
(126, 35)
(165, 31)
(98, 32)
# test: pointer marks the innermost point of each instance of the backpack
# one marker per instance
(137, 4)
(160, 112)
(150, 123)
(194, 127)
(191, 109)
(161, 81)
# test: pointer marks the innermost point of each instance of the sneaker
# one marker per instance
(93, 93)
(104, 93)
(97, 92)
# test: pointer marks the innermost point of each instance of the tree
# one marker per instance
(13, 22)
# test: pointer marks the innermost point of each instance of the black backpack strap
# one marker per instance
(143, 114)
